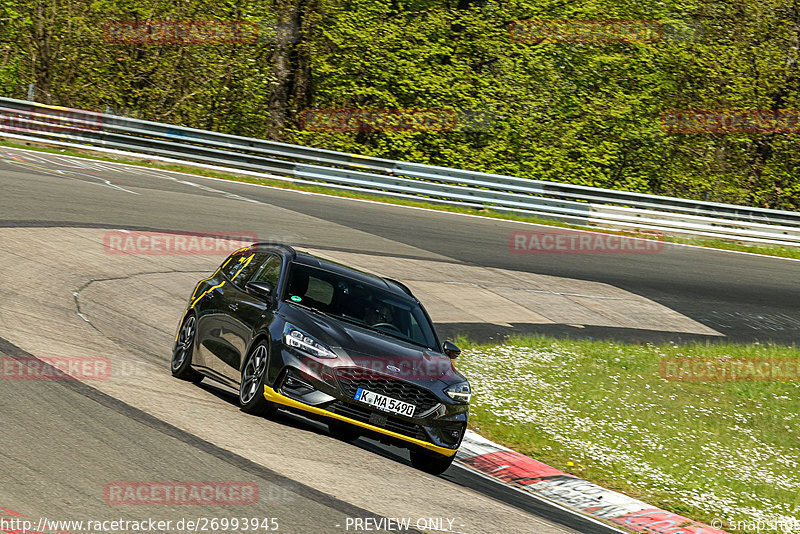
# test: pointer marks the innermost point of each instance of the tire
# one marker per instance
(181, 362)
(343, 431)
(430, 462)
(251, 387)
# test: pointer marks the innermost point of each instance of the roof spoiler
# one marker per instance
(292, 252)
(401, 286)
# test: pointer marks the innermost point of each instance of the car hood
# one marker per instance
(364, 348)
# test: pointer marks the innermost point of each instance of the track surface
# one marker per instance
(59, 465)
(88, 437)
(745, 297)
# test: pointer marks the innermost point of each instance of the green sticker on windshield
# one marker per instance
(296, 298)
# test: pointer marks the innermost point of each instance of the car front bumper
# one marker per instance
(279, 398)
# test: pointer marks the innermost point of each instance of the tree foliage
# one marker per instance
(578, 112)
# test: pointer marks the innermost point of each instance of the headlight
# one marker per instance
(296, 338)
(460, 392)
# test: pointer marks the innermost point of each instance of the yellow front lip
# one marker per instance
(278, 398)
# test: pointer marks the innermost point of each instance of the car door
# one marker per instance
(215, 334)
(207, 305)
(248, 312)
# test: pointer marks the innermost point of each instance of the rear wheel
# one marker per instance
(251, 389)
(343, 431)
(430, 462)
(181, 363)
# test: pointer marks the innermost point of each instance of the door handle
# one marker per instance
(233, 307)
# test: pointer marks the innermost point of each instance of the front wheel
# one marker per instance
(251, 389)
(430, 462)
(181, 363)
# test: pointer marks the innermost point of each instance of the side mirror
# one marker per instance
(261, 290)
(449, 348)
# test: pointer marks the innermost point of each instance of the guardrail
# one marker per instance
(581, 205)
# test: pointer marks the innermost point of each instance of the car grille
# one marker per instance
(391, 423)
(353, 378)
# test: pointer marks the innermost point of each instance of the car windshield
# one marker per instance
(360, 303)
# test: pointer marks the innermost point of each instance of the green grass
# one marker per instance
(601, 411)
(785, 252)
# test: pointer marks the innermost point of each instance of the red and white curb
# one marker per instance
(524, 473)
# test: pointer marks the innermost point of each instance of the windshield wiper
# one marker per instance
(327, 314)
(395, 336)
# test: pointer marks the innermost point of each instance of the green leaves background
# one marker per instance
(585, 113)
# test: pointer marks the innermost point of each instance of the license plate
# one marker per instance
(387, 404)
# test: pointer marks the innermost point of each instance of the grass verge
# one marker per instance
(603, 412)
(784, 252)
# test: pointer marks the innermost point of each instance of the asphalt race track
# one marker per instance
(63, 442)
(745, 297)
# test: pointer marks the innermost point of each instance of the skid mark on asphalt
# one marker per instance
(152, 357)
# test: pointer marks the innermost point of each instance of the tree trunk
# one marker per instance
(290, 89)
(41, 41)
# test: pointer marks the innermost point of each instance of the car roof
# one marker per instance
(306, 258)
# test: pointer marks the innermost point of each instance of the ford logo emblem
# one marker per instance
(393, 368)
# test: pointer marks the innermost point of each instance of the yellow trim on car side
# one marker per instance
(209, 290)
(244, 263)
(196, 300)
(206, 292)
(278, 398)
(217, 271)
(180, 325)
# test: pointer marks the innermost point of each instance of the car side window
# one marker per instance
(234, 263)
(242, 265)
(270, 271)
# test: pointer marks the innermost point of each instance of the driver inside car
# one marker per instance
(378, 313)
